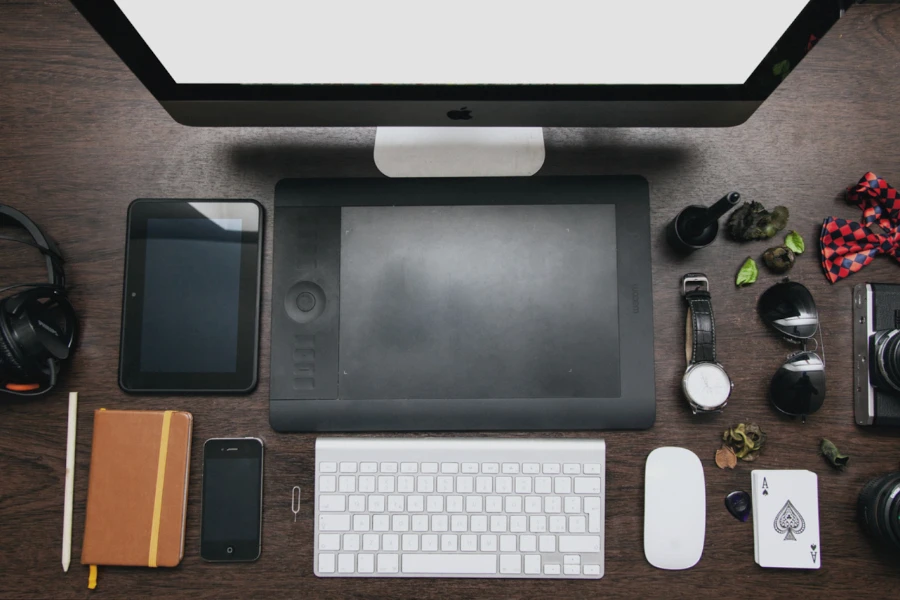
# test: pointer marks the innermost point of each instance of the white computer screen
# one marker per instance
(496, 42)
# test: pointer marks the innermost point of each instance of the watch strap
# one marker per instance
(700, 328)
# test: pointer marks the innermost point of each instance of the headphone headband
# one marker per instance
(55, 274)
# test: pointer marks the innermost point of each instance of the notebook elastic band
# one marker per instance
(160, 483)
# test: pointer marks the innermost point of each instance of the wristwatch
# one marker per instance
(706, 385)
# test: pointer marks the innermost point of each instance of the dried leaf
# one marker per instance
(746, 439)
(794, 241)
(833, 455)
(725, 458)
(748, 273)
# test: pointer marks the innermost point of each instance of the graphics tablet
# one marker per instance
(190, 313)
(462, 304)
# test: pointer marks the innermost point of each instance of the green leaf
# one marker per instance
(748, 273)
(795, 242)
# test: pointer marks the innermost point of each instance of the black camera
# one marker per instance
(876, 353)
(878, 507)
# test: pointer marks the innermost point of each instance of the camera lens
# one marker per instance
(887, 356)
(878, 507)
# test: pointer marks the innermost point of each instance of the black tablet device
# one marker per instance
(190, 314)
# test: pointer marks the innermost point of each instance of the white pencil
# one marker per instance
(70, 482)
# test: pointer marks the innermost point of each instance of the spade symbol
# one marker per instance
(813, 546)
(765, 487)
(765, 492)
(789, 521)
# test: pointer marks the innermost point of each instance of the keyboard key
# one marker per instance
(376, 504)
(360, 522)
(511, 468)
(371, 541)
(527, 543)
(470, 467)
(551, 469)
(464, 485)
(513, 504)
(523, 485)
(450, 564)
(429, 543)
(327, 483)
(493, 504)
(329, 541)
(510, 563)
(538, 524)
(449, 542)
(415, 503)
(420, 523)
(483, 485)
(425, 484)
(518, 524)
(381, 523)
(368, 467)
(449, 467)
(490, 468)
(395, 503)
(562, 485)
(489, 543)
(468, 543)
(347, 483)
(503, 485)
(351, 541)
(459, 523)
(533, 504)
(388, 563)
(587, 485)
(430, 467)
(356, 504)
(551, 569)
(454, 504)
(400, 523)
(552, 504)
(410, 542)
(385, 484)
(326, 563)
(498, 524)
(334, 522)
(329, 503)
(591, 569)
(572, 559)
(388, 467)
(479, 523)
(531, 468)
(409, 467)
(572, 504)
(547, 543)
(557, 524)
(592, 508)
(576, 524)
(445, 485)
(507, 543)
(571, 469)
(367, 484)
(406, 483)
(474, 504)
(543, 485)
(348, 467)
(579, 543)
(439, 523)
(390, 542)
(572, 569)
(434, 504)
(365, 563)
(327, 467)
(533, 564)
(593, 469)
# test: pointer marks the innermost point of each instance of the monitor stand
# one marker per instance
(459, 151)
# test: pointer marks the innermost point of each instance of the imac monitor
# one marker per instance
(681, 63)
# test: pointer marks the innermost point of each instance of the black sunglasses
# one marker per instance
(798, 387)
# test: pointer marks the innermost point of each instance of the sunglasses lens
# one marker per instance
(798, 388)
(790, 308)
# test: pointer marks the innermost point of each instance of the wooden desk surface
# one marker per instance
(80, 138)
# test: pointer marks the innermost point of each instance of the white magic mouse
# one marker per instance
(674, 509)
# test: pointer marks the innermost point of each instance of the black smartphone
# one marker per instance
(231, 523)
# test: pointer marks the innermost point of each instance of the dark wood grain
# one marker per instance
(80, 138)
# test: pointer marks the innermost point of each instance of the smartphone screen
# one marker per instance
(232, 499)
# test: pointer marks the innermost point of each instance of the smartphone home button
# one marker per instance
(229, 549)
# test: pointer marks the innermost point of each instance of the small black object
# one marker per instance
(697, 226)
(738, 504)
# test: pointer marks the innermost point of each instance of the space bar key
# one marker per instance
(460, 564)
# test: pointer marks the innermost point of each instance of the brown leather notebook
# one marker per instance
(137, 489)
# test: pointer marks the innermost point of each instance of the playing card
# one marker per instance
(786, 519)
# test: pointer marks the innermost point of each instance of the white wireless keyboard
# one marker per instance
(460, 507)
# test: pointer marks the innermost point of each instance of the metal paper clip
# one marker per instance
(295, 501)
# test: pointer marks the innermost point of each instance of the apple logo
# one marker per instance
(463, 114)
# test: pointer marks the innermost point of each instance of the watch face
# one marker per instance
(707, 385)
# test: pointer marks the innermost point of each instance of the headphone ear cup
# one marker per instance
(8, 362)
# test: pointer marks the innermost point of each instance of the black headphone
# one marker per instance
(37, 325)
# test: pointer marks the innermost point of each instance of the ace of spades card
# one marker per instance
(786, 518)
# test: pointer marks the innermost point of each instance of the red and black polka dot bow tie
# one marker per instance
(848, 246)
